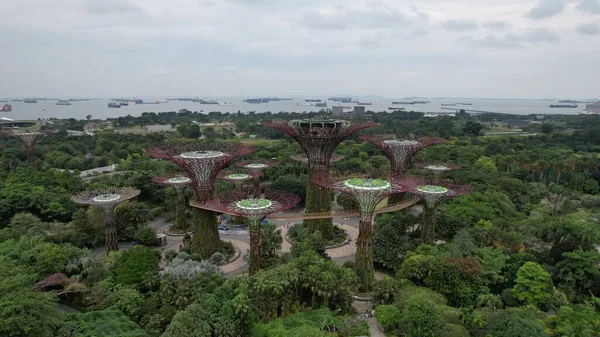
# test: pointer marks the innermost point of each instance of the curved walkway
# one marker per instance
(346, 250)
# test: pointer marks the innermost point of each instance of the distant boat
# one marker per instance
(3, 100)
(123, 103)
(593, 108)
(6, 108)
(253, 100)
(16, 100)
(73, 99)
(364, 103)
(62, 102)
(310, 100)
(465, 103)
(321, 105)
(84, 99)
(395, 108)
(30, 100)
(304, 104)
(226, 104)
(448, 104)
(141, 101)
(403, 102)
(163, 101)
(114, 105)
(563, 105)
(422, 101)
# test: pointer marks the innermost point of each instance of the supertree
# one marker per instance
(202, 162)
(434, 192)
(437, 169)
(257, 167)
(319, 139)
(107, 200)
(237, 178)
(28, 138)
(367, 193)
(244, 203)
(179, 182)
(303, 159)
(400, 149)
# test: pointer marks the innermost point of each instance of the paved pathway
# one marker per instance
(374, 329)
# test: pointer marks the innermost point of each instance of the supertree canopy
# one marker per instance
(202, 162)
(237, 178)
(107, 200)
(179, 182)
(28, 138)
(434, 192)
(367, 192)
(437, 169)
(244, 203)
(257, 167)
(304, 159)
(400, 149)
(319, 139)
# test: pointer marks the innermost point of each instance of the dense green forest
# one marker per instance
(518, 256)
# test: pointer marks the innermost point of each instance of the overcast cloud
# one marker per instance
(396, 48)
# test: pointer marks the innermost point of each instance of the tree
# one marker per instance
(388, 316)
(107, 323)
(25, 312)
(189, 130)
(129, 217)
(421, 317)
(472, 128)
(135, 265)
(146, 236)
(486, 163)
(547, 128)
(533, 285)
(270, 240)
(578, 272)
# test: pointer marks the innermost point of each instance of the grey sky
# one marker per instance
(493, 48)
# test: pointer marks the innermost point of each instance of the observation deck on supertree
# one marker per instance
(202, 162)
(368, 193)
(400, 149)
(179, 182)
(437, 169)
(107, 200)
(245, 204)
(319, 139)
(258, 167)
(28, 138)
(434, 192)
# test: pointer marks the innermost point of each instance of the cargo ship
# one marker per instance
(341, 99)
(448, 104)
(63, 102)
(421, 101)
(253, 100)
(304, 104)
(310, 100)
(114, 105)
(395, 108)
(364, 103)
(212, 101)
(6, 108)
(141, 101)
(403, 102)
(30, 100)
(563, 105)
(593, 108)
(321, 105)
(226, 104)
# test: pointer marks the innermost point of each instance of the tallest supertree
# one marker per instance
(319, 139)
(202, 162)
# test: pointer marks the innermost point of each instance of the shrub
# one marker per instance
(515, 323)
(145, 236)
(385, 290)
(180, 268)
(134, 265)
(227, 249)
(453, 330)
(421, 317)
(217, 259)
(388, 316)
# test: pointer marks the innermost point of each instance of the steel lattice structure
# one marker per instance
(368, 193)
(237, 178)
(244, 203)
(304, 159)
(107, 200)
(202, 162)
(319, 139)
(179, 182)
(437, 169)
(258, 167)
(400, 149)
(28, 139)
(434, 192)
